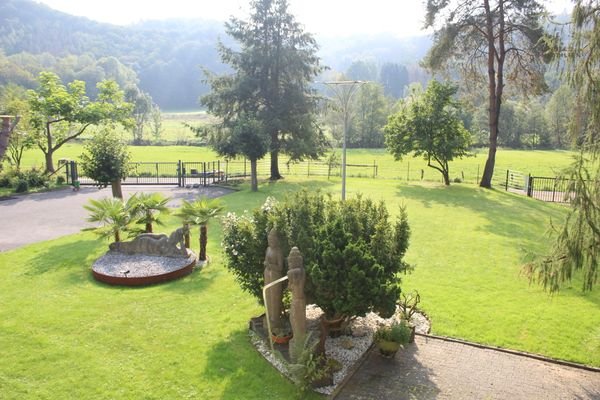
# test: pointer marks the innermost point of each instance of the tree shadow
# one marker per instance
(235, 362)
(399, 378)
(507, 214)
(76, 257)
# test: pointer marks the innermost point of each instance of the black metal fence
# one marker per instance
(549, 189)
(179, 173)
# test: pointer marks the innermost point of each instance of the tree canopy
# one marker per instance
(429, 125)
(490, 42)
(62, 113)
(576, 246)
(271, 81)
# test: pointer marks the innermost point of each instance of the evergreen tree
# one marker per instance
(271, 81)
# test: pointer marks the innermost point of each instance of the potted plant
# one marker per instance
(407, 307)
(389, 339)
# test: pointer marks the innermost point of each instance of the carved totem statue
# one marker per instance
(274, 271)
(297, 278)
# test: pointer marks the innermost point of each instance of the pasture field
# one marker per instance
(66, 336)
(468, 170)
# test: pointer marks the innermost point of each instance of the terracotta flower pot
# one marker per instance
(281, 339)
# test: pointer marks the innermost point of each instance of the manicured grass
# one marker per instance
(66, 336)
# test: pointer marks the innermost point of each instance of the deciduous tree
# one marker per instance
(106, 161)
(429, 126)
(62, 113)
(491, 42)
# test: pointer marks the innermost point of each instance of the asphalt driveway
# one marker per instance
(36, 217)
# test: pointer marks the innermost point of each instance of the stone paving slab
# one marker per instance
(37, 217)
(433, 368)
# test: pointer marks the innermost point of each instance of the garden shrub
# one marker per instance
(36, 178)
(20, 185)
(352, 252)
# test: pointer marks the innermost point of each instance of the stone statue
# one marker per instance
(154, 244)
(297, 277)
(274, 271)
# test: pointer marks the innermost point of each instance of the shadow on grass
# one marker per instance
(75, 257)
(508, 215)
(246, 374)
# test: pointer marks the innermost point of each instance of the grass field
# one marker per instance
(66, 336)
(539, 163)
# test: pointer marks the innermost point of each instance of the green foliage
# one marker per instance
(398, 332)
(13, 101)
(20, 185)
(21, 181)
(148, 209)
(429, 126)
(307, 367)
(273, 70)
(351, 251)
(105, 158)
(141, 113)
(71, 111)
(199, 212)
(113, 215)
(576, 246)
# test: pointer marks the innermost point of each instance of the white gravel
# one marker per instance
(136, 266)
(346, 349)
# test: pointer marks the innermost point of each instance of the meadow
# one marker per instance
(66, 336)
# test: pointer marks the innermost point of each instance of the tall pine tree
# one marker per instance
(271, 81)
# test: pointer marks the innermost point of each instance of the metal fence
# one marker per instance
(549, 189)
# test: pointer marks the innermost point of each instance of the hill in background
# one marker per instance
(163, 57)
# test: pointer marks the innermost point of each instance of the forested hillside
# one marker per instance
(163, 57)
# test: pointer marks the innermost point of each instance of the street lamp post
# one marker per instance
(343, 91)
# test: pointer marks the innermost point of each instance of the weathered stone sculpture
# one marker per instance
(297, 277)
(154, 244)
(274, 271)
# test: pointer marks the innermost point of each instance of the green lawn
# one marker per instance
(63, 335)
(538, 163)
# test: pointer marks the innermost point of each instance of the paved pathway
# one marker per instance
(432, 368)
(36, 217)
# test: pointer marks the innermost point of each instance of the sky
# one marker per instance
(320, 17)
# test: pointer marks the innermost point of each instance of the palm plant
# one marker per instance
(112, 213)
(147, 209)
(199, 212)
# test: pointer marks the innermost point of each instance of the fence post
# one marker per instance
(506, 186)
(529, 185)
(204, 173)
(157, 173)
(374, 169)
(74, 177)
(179, 173)
(226, 170)
(308, 167)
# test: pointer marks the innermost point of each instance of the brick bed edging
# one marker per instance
(513, 352)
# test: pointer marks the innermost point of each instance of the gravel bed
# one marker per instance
(138, 266)
(347, 349)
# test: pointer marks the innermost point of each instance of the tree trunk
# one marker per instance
(203, 241)
(117, 236)
(253, 175)
(275, 175)
(116, 189)
(494, 91)
(148, 227)
(446, 176)
(7, 129)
